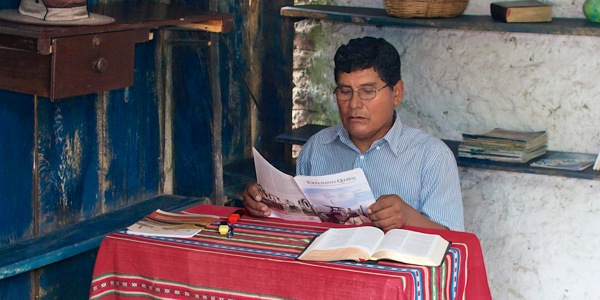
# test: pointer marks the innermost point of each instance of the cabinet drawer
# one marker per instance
(76, 65)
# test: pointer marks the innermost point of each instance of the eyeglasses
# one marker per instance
(364, 93)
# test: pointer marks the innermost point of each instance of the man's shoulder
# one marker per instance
(418, 137)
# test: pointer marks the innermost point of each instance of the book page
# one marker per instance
(339, 198)
(281, 193)
(343, 243)
(367, 237)
(412, 247)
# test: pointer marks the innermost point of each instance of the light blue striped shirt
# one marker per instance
(407, 162)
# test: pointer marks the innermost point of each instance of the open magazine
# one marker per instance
(162, 223)
(340, 198)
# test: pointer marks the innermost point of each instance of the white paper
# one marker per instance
(340, 198)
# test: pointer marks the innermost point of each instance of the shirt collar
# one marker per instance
(392, 137)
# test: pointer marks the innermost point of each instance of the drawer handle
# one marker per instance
(99, 65)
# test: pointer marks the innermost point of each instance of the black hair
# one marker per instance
(366, 52)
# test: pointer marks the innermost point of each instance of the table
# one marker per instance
(259, 262)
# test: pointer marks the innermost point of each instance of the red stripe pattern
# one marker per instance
(259, 261)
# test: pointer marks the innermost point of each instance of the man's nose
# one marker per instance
(355, 100)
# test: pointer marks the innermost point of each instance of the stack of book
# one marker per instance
(504, 145)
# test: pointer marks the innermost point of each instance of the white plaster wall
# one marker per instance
(539, 233)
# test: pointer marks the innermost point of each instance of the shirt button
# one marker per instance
(378, 147)
(362, 157)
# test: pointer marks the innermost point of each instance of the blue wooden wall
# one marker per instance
(72, 159)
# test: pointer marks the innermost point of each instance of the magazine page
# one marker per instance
(182, 218)
(339, 198)
(150, 227)
(566, 161)
(281, 193)
(162, 223)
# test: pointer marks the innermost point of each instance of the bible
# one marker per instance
(528, 11)
(370, 243)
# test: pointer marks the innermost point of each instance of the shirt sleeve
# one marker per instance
(302, 162)
(441, 194)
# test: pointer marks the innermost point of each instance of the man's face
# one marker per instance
(368, 120)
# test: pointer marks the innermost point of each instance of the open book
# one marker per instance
(340, 198)
(370, 243)
(162, 223)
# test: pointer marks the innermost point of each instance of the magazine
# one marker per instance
(566, 161)
(340, 198)
(162, 223)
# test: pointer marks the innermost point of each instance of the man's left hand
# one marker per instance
(389, 212)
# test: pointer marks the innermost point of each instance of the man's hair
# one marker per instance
(366, 52)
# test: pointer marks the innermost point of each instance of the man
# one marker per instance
(412, 174)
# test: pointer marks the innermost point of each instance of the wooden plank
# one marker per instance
(192, 164)
(72, 240)
(67, 161)
(128, 127)
(275, 104)
(17, 287)
(16, 159)
(485, 164)
(127, 15)
(299, 136)
(218, 196)
(53, 284)
(222, 26)
(239, 79)
(379, 17)
(25, 71)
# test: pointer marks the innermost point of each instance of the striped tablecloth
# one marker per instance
(259, 262)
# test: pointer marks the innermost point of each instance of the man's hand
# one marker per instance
(252, 201)
(390, 211)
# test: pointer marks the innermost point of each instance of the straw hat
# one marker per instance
(54, 12)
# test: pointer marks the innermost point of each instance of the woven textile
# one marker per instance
(259, 262)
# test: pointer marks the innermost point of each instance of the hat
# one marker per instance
(54, 12)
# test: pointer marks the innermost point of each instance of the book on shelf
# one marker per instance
(339, 198)
(166, 224)
(370, 243)
(529, 11)
(566, 161)
(504, 145)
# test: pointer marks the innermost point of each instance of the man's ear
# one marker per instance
(398, 92)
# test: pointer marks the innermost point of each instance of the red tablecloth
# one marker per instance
(259, 262)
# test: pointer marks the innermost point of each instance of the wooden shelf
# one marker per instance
(84, 236)
(65, 61)
(300, 135)
(379, 17)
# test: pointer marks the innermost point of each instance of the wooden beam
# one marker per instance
(223, 26)
(86, 235)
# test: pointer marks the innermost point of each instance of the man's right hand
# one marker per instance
(252, 201)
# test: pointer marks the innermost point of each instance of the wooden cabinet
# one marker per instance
(65, 61)
(75, 170)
